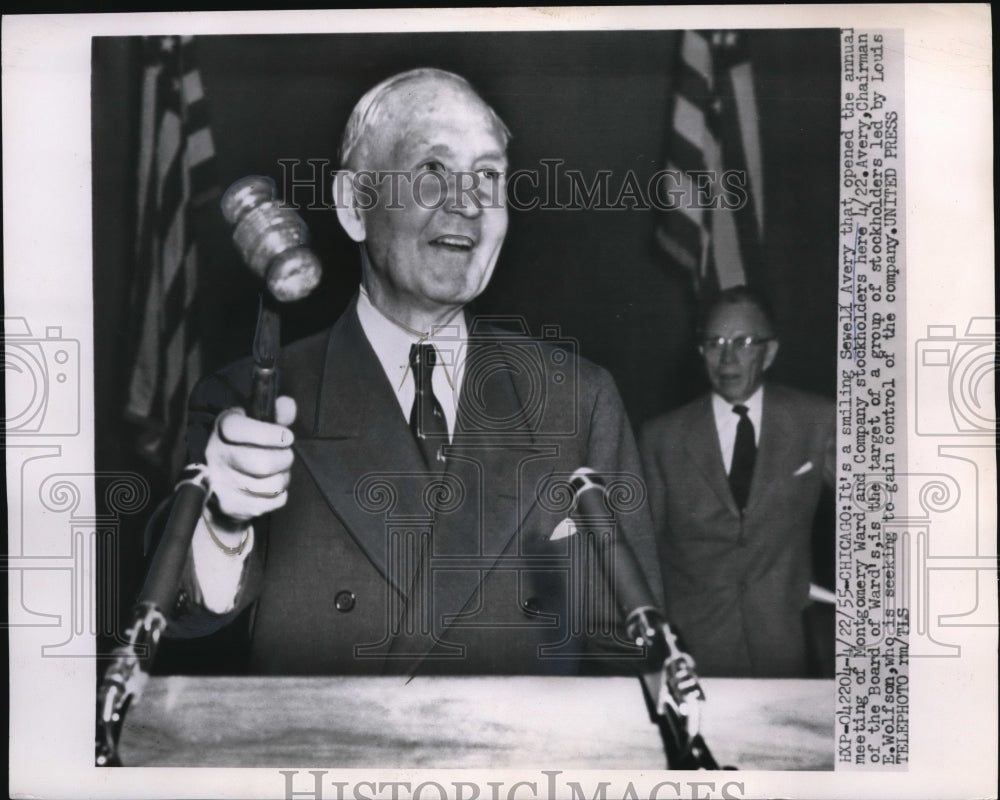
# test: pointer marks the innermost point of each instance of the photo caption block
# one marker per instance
(872, 624)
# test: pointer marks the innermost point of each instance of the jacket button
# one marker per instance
(531, 606)
(344, 601)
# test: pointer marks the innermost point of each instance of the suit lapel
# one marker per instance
(491, 455)
(492, 440)
(359, 432)
(705, 452)
(359, 451)
(773, 447)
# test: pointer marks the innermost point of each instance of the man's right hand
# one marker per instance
(250, 462)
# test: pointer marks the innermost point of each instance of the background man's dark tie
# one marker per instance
(744, 454)
(426, 417)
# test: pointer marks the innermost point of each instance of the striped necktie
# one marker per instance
(426, 417)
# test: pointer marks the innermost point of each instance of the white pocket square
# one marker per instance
(563, 530)
(803, 469)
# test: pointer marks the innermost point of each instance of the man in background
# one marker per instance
(734, 481)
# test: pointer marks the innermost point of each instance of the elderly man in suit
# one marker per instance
(734, 480)
(398, 516)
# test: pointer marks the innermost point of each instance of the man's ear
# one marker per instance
(352, 220)
(771, 353)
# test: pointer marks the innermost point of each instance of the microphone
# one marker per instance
(626, 580)
(669, 682)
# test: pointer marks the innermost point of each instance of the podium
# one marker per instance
(465, 722)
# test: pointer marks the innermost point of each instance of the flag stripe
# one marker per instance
(715, 130)
(691, 84)
(696, 54)
(168, 144)
(171, 198)
(686, 231)
(689, 122)
(147, 140)
(176, 165)
(686, 156)
(679, 252)
(199, 147)
(144, 374)
(726, 248)
(196, 117)
(746, 220)
(173, 305)
(192, 88)
(749, 124)
(691, 206)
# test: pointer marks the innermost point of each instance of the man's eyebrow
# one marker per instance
(493, 156)
(422, 148)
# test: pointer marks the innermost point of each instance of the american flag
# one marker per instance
(714, 130)
(175, 180)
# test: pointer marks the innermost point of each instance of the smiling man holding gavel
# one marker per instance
(399, 514)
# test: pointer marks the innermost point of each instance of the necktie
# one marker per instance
(744, 454)
(426, 417)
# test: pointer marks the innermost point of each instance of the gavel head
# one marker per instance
(271, 239)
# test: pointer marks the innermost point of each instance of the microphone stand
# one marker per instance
(126, 675)
(132, 662)
(673, 695)
(669, 682)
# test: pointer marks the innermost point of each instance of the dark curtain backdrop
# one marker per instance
(596, 100)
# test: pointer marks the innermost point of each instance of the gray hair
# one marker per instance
(370, 109)
(737, 295)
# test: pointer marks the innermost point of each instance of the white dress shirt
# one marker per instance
(392, 341)
(726, 421)
(218, 573)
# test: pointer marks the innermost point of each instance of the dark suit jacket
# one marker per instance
(736, 585)
(376, 565)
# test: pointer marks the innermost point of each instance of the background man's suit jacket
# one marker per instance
(736, 585)
(376, 566)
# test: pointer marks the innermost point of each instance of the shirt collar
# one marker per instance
(391, 342)
(723, 409)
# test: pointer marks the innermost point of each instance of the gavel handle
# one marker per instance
(266, 343)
